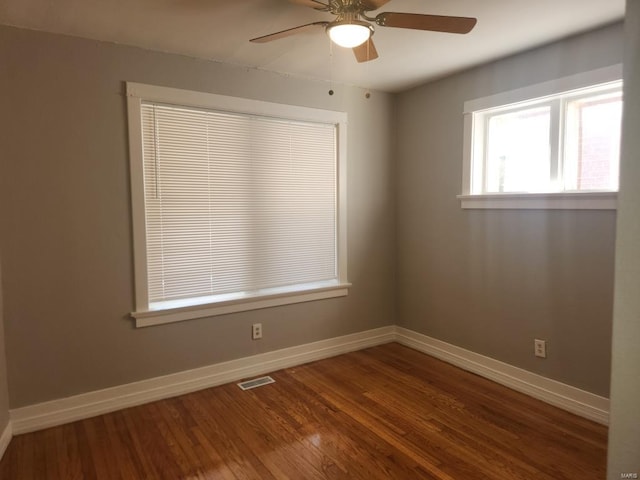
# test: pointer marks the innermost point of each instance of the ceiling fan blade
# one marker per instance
(373, 4)
(313, 4)
(436, 23)
(290, 31)
(365, 52)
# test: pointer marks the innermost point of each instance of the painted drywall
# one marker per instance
(493, 280)
(624, 432)
(4, 391)
(65, 204)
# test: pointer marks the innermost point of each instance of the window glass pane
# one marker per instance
(592, 148)
(235, 203)
(518, 152)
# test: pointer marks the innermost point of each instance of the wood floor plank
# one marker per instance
(285, 450)
(211, 414)
(342, 442)
(356, 453)
(67, 458)
(138, 442)
(387, 412)
(391, 430)
(127, 464)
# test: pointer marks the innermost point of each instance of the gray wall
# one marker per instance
(493, 280)
(624, 432)
(4, 392)
(489, 281)
(66, 238)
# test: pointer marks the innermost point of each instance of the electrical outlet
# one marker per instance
(256, 331)
(540, 348)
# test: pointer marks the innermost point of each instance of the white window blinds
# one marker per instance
(236, 203)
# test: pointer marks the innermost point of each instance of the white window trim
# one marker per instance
(560, 200)
(146, 316)
(178, 314)
(541, 201)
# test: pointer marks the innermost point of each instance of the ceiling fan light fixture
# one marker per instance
(349, 34)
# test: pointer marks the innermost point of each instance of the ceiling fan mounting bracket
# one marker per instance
(340, 7)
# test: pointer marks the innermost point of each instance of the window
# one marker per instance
(553, 145)
(237, 204)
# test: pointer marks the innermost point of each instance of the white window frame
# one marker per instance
(146, 316)
(472, 199)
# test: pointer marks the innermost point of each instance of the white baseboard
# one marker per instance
(65, 410)
(5, 438)
(564, 396)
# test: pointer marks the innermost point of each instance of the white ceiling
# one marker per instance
(220, 30)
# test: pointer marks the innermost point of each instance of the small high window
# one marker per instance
(560, 147)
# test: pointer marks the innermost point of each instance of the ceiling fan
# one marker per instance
(352, 27)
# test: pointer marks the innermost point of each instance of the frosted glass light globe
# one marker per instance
(349, 35)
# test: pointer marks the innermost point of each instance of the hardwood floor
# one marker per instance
(382, 413)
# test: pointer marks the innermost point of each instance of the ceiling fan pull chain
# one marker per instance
(330, 66)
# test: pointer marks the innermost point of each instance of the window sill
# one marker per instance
(168, 314)
(542, 201)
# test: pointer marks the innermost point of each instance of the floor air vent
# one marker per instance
(256, 382)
